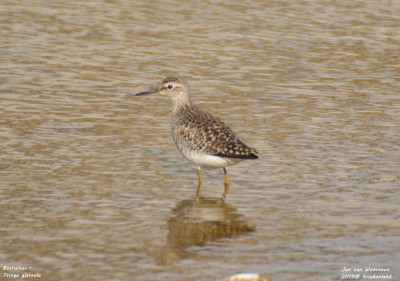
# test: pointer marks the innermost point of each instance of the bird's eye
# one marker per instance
(170, 86)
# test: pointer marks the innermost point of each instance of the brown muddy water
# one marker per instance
(92, 187)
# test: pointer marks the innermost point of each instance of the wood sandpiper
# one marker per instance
(199, 136)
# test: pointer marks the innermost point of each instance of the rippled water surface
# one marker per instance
(92, 187)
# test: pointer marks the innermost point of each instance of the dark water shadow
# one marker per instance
(198, 221)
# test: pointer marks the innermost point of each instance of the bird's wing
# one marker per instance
(204, 132)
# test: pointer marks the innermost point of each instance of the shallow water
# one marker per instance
(92, 187)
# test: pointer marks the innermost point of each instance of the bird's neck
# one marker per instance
(181, 103)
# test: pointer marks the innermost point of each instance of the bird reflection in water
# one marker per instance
(196, 222)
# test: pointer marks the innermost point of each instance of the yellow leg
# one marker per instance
(226, 185)
(200, 182)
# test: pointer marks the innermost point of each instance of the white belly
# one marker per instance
(210, 161)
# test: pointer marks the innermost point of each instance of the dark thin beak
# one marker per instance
(147, 93)
(144, 93)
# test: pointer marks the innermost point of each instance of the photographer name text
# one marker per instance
(371, 273)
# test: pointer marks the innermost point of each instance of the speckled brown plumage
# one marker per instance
(195, 129)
